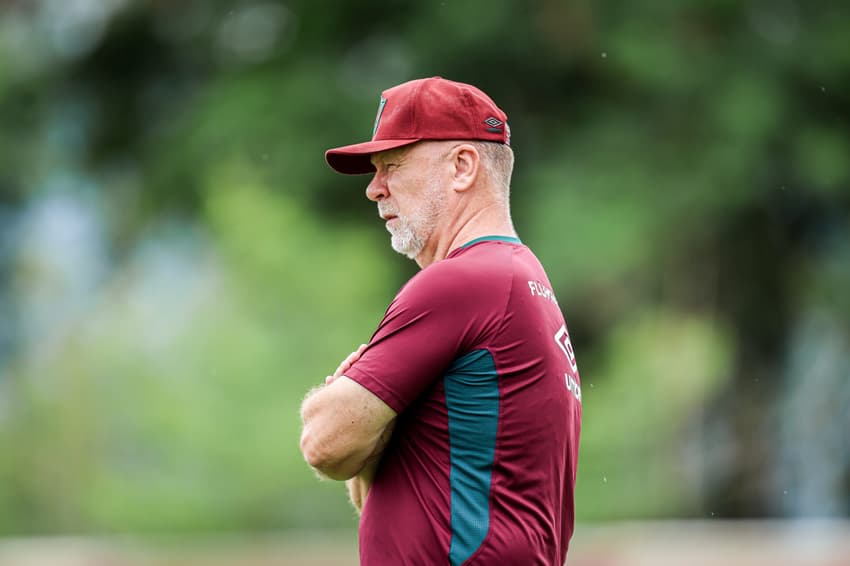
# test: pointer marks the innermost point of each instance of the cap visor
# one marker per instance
(356, 159)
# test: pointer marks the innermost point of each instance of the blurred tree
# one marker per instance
(178, 266)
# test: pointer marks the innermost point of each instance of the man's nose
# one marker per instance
(376, 190)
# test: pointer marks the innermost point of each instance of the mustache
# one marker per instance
(387, 210)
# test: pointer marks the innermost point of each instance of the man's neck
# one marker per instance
(488, 221)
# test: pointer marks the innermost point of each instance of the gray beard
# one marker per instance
(405, 240)
(411, 233)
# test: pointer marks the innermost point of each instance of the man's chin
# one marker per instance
(406, 248)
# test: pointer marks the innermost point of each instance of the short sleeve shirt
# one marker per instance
(474, 355)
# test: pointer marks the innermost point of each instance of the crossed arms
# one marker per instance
(346, 428)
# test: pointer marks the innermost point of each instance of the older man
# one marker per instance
(457, 425)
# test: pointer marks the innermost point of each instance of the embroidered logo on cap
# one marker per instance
(493, 125)
(378, 116)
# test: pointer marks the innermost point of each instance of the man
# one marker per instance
(457, 426)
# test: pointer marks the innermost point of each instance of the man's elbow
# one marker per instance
(326, 461)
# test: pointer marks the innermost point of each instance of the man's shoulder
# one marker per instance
(470, 275)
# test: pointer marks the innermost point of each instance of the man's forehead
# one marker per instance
(390, 154)
(420, 148)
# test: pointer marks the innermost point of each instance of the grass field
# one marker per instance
(695, 543)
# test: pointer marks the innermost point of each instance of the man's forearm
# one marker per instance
(359, 485)
(344, 426)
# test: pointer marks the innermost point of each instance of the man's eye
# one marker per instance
(391, 166)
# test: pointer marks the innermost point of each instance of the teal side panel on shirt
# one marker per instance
(472, 401)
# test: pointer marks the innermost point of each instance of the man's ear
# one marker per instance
(465, 166)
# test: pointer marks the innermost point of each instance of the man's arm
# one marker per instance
(359, 485)
(345, 426)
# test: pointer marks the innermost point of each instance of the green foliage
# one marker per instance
(177, 407)
(637, 409)
(681, 171)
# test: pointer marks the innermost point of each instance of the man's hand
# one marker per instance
(345, 364)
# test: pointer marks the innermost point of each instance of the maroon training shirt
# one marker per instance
(474, 355)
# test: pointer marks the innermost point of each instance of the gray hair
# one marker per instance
(498, 162)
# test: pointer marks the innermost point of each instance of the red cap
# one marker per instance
(424, 109)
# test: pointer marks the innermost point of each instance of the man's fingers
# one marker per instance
(348, 362)
(355, 355)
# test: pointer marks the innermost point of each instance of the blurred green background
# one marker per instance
(178, 266)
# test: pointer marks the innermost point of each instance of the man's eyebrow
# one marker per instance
(384, 156)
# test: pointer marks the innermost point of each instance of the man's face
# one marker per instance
(410, 194)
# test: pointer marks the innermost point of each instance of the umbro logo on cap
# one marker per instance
(493, 125)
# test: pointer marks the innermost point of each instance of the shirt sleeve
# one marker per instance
(445, 311)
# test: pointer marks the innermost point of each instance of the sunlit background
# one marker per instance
(178, 266)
